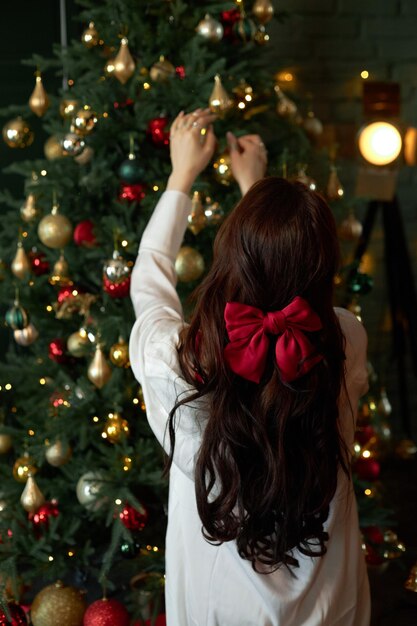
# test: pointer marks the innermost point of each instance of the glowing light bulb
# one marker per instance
(380, 143)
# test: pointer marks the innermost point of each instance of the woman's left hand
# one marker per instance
(192, 144)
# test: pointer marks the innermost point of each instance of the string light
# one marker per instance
(50, 558)
(146, 86)
(95, 418)
(49, 308)
(155, 188)
(31, 432)
(364, 74)
(7, 386)
(43, 172)
(366, 454)
(118, 501)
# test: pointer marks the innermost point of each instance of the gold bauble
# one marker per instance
(115, 428)
(29, 211)
(85, 156)
(285, 106)
(350, 228)
(17, 133)
(26, 336)
(20, 265)
(162, 70)
(263, 11)
(223, 169)
(39, 101)
(335, 189)
(6, 443)
(89, 490)
(78, 344)
(197, 219)
(119, 354)
(99, 371)
(219, 101)
(406, 449)
(124, 65)
(90, 36)
(22, 467)
(55, 230)
(189, 264)
(84, 121)
(109, 67)
(58, 454)
(411, 582)
(58, 604)
(32, 497)
(68, 107)
(72, 144)
(53, 148)
(312, 125)
(60, 272)
(210, 29)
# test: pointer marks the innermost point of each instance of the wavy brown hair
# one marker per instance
(267, 467)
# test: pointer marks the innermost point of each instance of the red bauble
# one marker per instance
(132, 518)
(117, 290)
(40, 519)
(363, 435)
(180, 72)
(56, 350)
(372, 557)
(84, 234)
(39, 263)
(157, 132)
(132, 193)
(17, 614)
(373, 534)
(367, 469)
(106, 613)
(228, 19)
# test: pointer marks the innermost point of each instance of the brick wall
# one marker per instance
(326, 44)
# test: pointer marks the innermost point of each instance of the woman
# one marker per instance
(253, 401)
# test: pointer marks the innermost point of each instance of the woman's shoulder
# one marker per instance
(352, 328)
(356, 344)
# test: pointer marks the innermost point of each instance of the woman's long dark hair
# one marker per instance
(268, 463)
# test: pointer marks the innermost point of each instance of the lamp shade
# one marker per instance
(380, 143)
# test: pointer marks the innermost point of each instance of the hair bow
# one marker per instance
(249, 329)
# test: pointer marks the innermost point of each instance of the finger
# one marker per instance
(232, 141)
(174, 125)
(210, 141)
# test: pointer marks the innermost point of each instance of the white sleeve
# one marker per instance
(159, 319)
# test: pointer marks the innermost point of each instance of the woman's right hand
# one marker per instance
(248, 158)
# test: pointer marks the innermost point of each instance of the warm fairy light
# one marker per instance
(31, 432)
(74, 292)
(135, 400)
(380, 143)
(24, 234)
(372, 406)
(31, 283)
(49, 308)
(357, 448)
(105, 114)
(118, 501)
(2, 388)
(50, 558)
(43, 172)
(125, 243)
(70, 553)
(155, 188)
(364, 74)
(284, 77)
(368, 492)
(248, 97)
(104, 435)
(95, 418)
(340, 192)
(13, 409)
(241, 105)
(155, 549)
(70, 82)
(203, 131)
(146, 86)
(366, 454)
(7, 386)
(149, 548)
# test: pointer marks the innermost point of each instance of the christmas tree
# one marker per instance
(83, 497)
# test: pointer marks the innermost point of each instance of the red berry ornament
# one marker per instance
(367, 469)
(132, 193)
(56, 350)
(84, 234)
(17, 614)
(39, 263)
(180, 72)
(40, 519)
(133, 519)
(106, 613)
(157, 131)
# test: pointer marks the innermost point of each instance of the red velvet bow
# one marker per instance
(248, 329)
